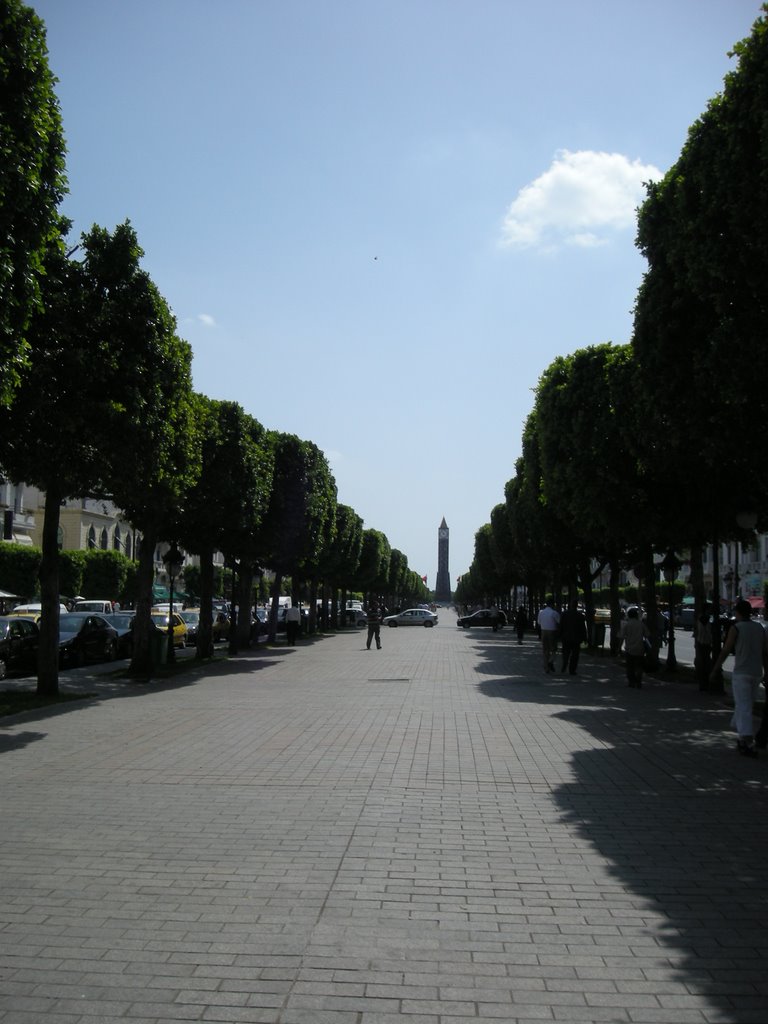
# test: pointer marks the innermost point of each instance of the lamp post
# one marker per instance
(670, 566)
(173, 560)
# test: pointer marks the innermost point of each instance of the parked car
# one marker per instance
(86, 636)
(492, 617)
(123, 623)
(105, 607)
(412, 617)
(34, 610)
(160, 621)
(191, 617)
(19, 640)
(355, 617)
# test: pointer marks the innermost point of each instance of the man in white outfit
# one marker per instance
(549, 626)
(749, 642)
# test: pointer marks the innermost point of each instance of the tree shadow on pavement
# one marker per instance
(680, 821)
(675, 817)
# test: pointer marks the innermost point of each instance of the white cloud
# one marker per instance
(206, 319)
(579, 201)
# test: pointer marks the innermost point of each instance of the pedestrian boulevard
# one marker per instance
(433, 833)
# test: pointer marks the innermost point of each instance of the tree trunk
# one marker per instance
(274, 609)
(205, 627)
(48, 652)
(651, 608)
(615, 606)
(141, 661)
(245, 601)
(718, 686)
(312, 621)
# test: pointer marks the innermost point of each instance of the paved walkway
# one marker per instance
(433, 833)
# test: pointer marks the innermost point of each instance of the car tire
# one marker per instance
(110, 650)
(3, 669)
(392, 625)
(428, 625)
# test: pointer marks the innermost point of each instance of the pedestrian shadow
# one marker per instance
(16, 741)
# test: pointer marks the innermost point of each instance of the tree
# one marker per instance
(104, 574)
(224, 508)
(153, 441)
(32, 181)
(373, 571)
(71, 397)
(701, 311)
(597, 469)
(302, 500)
(341, 559)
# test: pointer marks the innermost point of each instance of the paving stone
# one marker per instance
(448, 836)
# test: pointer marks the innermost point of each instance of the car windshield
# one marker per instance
(70, 623)
(121, 621)
(190, 616)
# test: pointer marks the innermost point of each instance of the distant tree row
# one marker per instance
(96, 397)
(655, 445)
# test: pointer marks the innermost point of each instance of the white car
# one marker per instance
(412, 617)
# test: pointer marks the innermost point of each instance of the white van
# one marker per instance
(35, 610)
(105, 607)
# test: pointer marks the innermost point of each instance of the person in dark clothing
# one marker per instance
(374, 625)
(521, 623)
(702, 634)
(573, 633)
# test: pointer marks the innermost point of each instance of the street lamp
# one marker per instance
(670, 566)
(173, 560)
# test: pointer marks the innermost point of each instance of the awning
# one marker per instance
(756, 602)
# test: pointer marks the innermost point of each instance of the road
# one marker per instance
(433, 833)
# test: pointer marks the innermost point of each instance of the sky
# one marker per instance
(377, 222)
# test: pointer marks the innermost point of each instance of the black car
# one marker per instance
(123, 623)
(19, 640)
(484, 617)
(86, 636)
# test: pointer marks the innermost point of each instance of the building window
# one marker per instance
(104, 540)
(128, 546)
(92, 537)
(116, 540)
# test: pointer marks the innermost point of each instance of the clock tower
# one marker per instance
(443, 582)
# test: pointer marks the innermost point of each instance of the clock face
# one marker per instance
(442, 533)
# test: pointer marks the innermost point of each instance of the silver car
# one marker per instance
(412, 617)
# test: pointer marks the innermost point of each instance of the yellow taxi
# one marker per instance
(160, 621)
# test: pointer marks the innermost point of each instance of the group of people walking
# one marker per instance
(746, 640)
(569, 629)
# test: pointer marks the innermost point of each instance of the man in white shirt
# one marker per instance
(549, 627)
(292, 623)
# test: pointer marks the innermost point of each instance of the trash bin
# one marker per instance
(158, 641)
(598, 634)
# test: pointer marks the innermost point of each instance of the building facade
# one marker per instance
(443, 581)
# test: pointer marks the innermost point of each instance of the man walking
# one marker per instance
(292, 623)
(374, 625)
(573, 633)
(549, 627)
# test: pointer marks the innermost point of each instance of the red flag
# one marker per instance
(423, 579)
